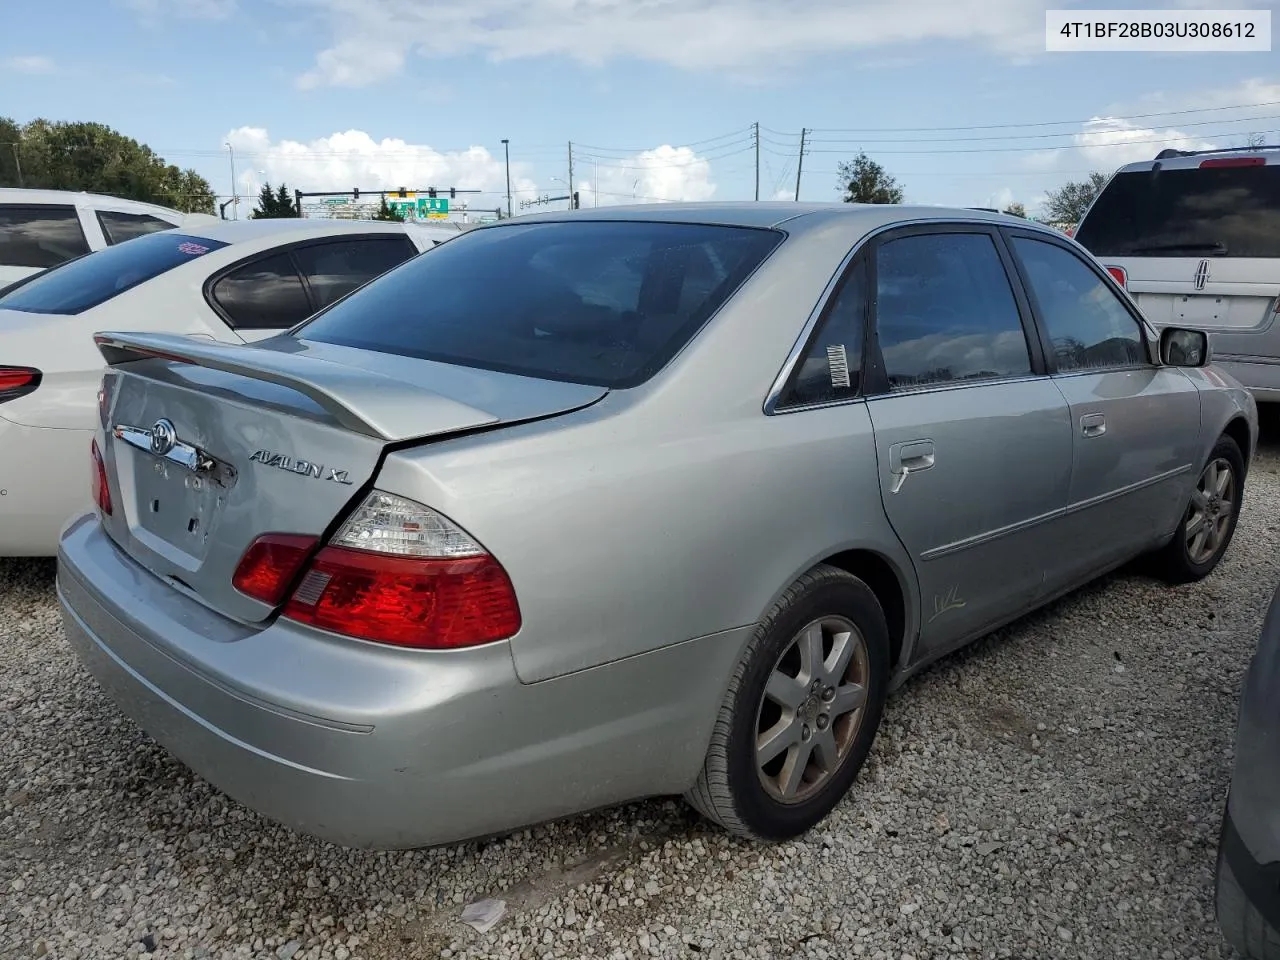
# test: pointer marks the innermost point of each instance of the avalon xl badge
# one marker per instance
(303, 468)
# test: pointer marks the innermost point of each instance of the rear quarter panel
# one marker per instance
(676, 510)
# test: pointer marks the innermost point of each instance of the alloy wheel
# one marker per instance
(1210, 511)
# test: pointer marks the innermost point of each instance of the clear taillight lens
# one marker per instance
(386, 523)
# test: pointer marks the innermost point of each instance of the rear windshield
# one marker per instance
(90, 280)
(601, 303)
(1215, 211)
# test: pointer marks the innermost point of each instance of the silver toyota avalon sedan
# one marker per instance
(585, 507)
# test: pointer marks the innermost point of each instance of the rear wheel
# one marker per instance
(1210, 517)
(801, 711)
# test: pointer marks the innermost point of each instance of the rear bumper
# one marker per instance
(382, 748)
(44, 482)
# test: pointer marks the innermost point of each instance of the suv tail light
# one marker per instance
(98, 483)
(17, 382)
(1234, 162)
(396, 572)
(1119, 276)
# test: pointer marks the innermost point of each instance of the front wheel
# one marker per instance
(1210, 517)
(801, 711)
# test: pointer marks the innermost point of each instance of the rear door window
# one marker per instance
(264, 294)
(1089, 327)
(40, 236)
(119, 227)
(945, 311)
(602, 303)
(89, 281)
(332, 270)
(1209, 211)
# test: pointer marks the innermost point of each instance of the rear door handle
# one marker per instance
(1093, 425)
(908, 458)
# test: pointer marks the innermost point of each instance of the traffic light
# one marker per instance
(575, 199)
(355, 193)
(431, 192)
(453, 193)
(404, 192)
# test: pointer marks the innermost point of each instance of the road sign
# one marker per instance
(434, 205)
(336, 200)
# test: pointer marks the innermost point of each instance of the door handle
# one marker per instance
(908, 458)
(1093, 425)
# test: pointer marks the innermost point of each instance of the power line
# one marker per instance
(1037, 149)
(1045, 123)
(1035, 136)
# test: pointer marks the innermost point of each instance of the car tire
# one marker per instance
(1242, 925)
(745, 786)
(1177, 562)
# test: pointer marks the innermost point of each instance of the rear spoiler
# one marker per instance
(362, 401)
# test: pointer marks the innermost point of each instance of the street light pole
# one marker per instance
(506, 149)
(235, 194)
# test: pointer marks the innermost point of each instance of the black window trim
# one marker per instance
(289, 249)
(62, 207)
(875, 379)
(1108, 281)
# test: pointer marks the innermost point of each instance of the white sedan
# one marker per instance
(231, 281)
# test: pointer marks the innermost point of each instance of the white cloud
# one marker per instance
(30, 64)
(372, 38)
(664, 173)
(352, 158)
(183, 9)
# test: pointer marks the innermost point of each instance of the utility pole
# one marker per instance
(800, 164)
(756, 126)
(570, 174)
(235, 194)
(506, 149)
(17, 163)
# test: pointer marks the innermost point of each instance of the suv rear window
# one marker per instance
(1215, 211)
(601, 303)
(88, 281)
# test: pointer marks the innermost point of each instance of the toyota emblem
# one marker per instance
(163, 437)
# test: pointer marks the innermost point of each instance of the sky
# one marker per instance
(957, 99)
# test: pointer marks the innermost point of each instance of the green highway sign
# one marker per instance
(336, 200)
(430, 208)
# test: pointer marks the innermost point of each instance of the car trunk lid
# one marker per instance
(208, 446)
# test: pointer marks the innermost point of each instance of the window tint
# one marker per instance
(1222, 211)
(119, 227)
(1087, 323)
(84, 283)
(335, 269)
(40, 236)
(832, 364)
(945, 311)
(605, 303)
(266, 294)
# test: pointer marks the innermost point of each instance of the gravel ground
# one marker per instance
(1052, 792)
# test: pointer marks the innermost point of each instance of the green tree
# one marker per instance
(275, 205)
(1016, 209)
(57, 155)
(862, 180)
(1069, 202)
(388, 212)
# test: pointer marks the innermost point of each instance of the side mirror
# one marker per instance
(1184, 348)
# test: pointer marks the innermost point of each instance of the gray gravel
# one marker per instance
(1054, 791)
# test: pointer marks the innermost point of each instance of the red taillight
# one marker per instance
(1234, 162)
(17, 382)
(423, 602)
(270, 565)
(101, 492)
(1120, 277)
